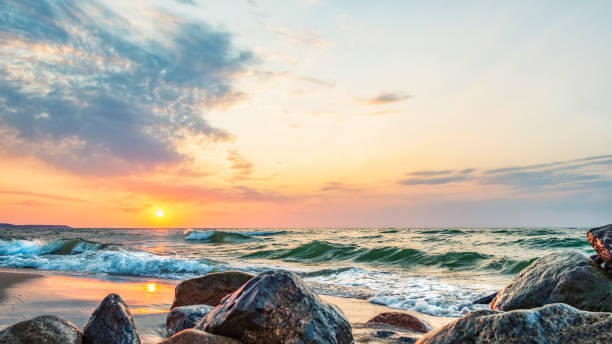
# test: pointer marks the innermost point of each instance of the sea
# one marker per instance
(437, 271)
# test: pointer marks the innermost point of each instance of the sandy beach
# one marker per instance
(25, 295)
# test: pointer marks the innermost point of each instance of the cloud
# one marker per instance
(42, 195)
(385, 98)
(303, 37)
(430, 173)
(433, 181)
(319, 82)
(338, 186)
(197, 193)
(592, 173)
(240, 164)
(88, 90)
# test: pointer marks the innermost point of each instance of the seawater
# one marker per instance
(437, 271)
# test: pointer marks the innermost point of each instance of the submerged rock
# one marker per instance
(192, 336)
(571, 278)
(601, 240)
(208, 289)
(45, 329)
(277, 307)
(556, 323)
(485, 300)
(184, 317)
(400, 320)
(110, 323)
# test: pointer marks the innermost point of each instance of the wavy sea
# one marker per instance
(437, 271)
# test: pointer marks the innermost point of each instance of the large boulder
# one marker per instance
(277, 307)
(192, 336)
(111, 322)
(45, 329)
(401, 320)
(208, 289)
(601, 240)
(184, 317)
(557, 323)
(570, 277)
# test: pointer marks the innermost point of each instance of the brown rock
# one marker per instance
(400, 320)
(601, 240)
(208, 289)
(192, 336)
(45, 329)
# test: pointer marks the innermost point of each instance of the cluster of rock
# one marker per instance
(111, 322)
(559, 298)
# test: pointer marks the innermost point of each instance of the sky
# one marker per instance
(305, 113)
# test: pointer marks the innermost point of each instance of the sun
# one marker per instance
(159, 213)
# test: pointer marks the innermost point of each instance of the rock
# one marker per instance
(208, 289)
(192, 336)
(111, 322)
(571, 278)
(383, 334)
(400, 320)
(597, 259)
(45, 329)
(406, 340)
(485, 300)
(277, 307)
(557, 323)
(184, 317)
(601, 240)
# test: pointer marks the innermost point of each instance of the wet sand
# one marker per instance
(24, 295)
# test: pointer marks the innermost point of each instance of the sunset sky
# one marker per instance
(305, 113)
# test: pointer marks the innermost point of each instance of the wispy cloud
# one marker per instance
(87, 90)
(302, 37)
(319, 82)
(42, 195)
(385, 98)
(240, 164)
(586, 173)
(430, 173)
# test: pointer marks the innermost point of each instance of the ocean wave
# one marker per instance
(506, 265)
(321, 251)
(423, 294)
(548, 242)
(91, 257)
(216, 236)
(40, 247)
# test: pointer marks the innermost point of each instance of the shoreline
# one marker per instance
(30, 293)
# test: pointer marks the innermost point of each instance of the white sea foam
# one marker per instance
(426, 295)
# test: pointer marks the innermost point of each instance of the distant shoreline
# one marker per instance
(12, 226)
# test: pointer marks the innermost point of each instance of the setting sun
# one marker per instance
(159, 213)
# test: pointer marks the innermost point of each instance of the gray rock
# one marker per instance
(569, 277)
(192, 336)
(383, 334)
(277, 307)
(111, 323)
(208, 289)
(45, 329)
(550, 324)
(601, 240)
(184, 317)
(485, 300)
